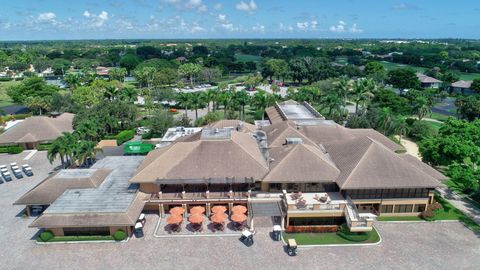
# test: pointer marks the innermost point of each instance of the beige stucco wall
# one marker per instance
(56, 231)
(149, 188)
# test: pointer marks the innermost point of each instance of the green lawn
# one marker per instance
(436, 125)
(327, 238)
(448, 212)
(439, 117)
(463, 75)
(5, 100)
(78, 238)
(240, 57)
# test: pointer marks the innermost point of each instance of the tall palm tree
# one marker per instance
(422, 107)
(211, 95)
(242, 99)
(385, 120)
(183, 99)
(400, 127)
(226, 98)
(343, 88)
(261, 100)
(362, 92)
(334, 103)
(197, 100)
(111, 92)
(85, 153)
(73, 80)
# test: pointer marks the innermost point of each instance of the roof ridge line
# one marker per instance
(245, 150)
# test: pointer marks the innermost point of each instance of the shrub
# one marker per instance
(119, 235)
(427, 214)
(125, 136)
(44, 146)
(46, 236)
(11, 149)
(147, 136)
(421, 130)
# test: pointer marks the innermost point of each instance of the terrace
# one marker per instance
(322, 201)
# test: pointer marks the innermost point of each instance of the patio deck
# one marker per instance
(161, 229)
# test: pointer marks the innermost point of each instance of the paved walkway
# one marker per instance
(457, 201)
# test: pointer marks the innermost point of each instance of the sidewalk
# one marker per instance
(460, 203)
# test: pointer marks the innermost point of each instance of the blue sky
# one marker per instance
(90, 19)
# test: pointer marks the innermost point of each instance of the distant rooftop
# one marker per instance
(292, 110)
(174, 133)
(216, 133)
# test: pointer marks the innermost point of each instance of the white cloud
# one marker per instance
(307, 26)
(287, 28)
(222, 17)
(259, 28)
(248, 7)
(341, 27)
(187, 5)
(94, 20)
(218, 6)
(355, 29)
(46, 17)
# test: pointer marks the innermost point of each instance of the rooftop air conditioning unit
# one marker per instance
(293, 141)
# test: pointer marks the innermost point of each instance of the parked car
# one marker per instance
(142, 130)
(18, 174)
(138, 231)
(7, 176)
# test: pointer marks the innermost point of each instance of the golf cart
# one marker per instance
(292, 247)
(247, 237)
(138, 231)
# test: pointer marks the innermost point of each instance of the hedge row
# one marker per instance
(44, 146)
(48, 236)
(125, 136)
(345, 233)
(16, 116)
(11, 149)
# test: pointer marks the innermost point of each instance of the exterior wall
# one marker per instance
(56, 231)
(150, 188)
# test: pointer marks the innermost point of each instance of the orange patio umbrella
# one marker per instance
(195, 218)
(240, 209)
(177, 210)
(218, 218)
(219, 209)
(174, 219)
(197, 210)
(239, 218)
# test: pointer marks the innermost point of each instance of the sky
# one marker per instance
(175, 19)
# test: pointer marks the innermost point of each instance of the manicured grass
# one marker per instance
(408, 218)
(439, 117)
(469, 76)
(5, 100)
(436, 125)
(79, 238)
(390, 66)
(343, 60)
(448, 212)
(239, 57)
(328, 238)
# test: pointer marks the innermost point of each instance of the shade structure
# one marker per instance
(239, 218)
(239, 209)
(197, 210)
(218, 218)
(174, 219)
(219, 209)
(195, 218)
(177, 210)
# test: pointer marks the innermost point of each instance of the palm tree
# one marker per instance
(183, 99)
(197, 100)
(129, 94)
(400, 127)
(211, 95)
(261, 100)
(422, 107)
(362, 92)
(242, 99)
(85, 152)
(334, 103)
(111, 92)
(343, 88)
(73, 80)
(226, 98)
(56, 150)
(385, 119)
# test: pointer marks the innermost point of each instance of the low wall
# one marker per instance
(318, 229)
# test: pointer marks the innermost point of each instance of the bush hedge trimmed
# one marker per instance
(119, 235)
(44, 146)
(46, 236)
(125, 136)
(11, 149)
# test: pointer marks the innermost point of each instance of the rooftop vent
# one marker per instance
(293, 141)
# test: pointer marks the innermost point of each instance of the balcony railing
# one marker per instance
(314, 207)
(199, 195)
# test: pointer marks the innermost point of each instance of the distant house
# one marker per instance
(37, 129)
(427, 81)
(462, 87)
(181, 59)
(102, 71)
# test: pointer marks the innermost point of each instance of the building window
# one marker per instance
(403, 208)
(275, 187)
(419, 208)
(387, 209)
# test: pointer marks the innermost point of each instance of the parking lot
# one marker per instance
(404, 245)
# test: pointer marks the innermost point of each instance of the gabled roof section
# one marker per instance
(233, 124)
(278, 132)
(236, 157)
(462, 84)
(301, 163)
(426, 79)
(366, 163)
(423, 167)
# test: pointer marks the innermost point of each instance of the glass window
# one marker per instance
(387, 209)
(403, 208)
(275, 187)
(419, 208)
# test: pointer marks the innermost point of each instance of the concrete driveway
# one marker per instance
(404, 245)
